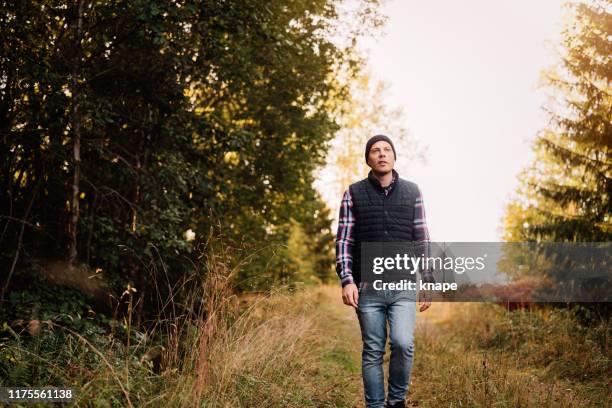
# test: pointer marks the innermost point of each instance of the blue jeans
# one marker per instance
(374, 309)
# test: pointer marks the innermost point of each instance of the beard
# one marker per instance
(381, 173)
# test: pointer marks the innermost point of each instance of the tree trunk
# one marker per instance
(76, 140)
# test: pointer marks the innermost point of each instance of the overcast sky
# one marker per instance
(465, 73)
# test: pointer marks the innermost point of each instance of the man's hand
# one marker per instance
(424, 300)
(350, 295)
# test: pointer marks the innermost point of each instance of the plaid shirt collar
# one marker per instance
(386, 190)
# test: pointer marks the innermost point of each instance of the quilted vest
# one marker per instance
(380, 217)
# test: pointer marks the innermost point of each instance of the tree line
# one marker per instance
(129, 130)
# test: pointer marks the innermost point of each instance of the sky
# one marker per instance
(466, 74)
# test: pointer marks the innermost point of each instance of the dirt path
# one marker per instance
(342, 353)
(342, 327)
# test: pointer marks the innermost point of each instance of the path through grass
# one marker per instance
(481, 355)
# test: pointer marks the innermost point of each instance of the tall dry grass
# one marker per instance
(243, 352)
(234, 352)
(208, 348)
(483, 355)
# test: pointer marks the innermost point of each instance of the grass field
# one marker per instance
(482, 355)
(303, 349)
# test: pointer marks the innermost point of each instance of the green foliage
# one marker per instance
(28, 342)
(565, 194)
(190, 114)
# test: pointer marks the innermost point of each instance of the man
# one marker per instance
(381, 208)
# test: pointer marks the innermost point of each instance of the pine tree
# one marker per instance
(565, 195)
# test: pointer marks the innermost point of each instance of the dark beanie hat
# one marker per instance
(375, 139)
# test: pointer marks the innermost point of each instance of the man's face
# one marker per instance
(381, 158)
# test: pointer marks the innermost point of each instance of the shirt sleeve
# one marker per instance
(421, 233)
(345, 241)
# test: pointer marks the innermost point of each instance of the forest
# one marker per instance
(161, 237)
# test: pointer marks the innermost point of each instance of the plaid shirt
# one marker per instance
(345, 240)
